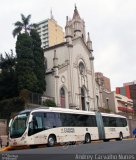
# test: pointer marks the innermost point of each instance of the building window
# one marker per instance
(45, 26)
(107, 101)
(97, 101)
(81, 68)
(62, 97)
(45, 35)
(83, 98)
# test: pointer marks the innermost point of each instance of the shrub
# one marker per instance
(49, 102)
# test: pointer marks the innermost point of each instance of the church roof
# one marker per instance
(55, 46)
(64, 43)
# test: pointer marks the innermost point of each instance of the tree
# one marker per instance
(24, 24)
(25, 63)
(8, 77)
(7, 63)
(39, 68)
(30, 57)
(10, 106)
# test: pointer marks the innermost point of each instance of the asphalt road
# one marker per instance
(125, 149)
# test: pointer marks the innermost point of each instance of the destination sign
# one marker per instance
(67, 130)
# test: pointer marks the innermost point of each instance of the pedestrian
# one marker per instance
(134, 133)
(0, 141)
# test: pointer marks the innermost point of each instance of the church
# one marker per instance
(70, 74)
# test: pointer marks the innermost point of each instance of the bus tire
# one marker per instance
(51, 140)
(87, 138)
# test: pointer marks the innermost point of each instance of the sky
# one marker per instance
(111, 23)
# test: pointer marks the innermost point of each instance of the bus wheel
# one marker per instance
(87, 138)
(51, 141)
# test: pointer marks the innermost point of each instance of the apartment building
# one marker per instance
(50, 32)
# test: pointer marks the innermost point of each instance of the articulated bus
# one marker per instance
(48, 125)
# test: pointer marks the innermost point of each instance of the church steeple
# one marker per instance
(76, 26)
(68, 31)
(76, 14)
(77, 23)
(89, 42)
(89, 46)
(55, 60)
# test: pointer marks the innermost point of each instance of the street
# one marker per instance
(125, 149)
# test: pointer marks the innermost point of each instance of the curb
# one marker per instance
(128, 139)
(6, 149)
(9, 148)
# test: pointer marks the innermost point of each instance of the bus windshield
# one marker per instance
(18, 125)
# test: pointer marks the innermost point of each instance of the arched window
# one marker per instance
(62, 97)
(83, 98)
(81, 68)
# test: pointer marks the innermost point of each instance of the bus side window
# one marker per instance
(92, 121)
(123, 122)
(49, 120)
(119, 122)
(112, 121)
(57, 120)
(47, 123)
(105, 121)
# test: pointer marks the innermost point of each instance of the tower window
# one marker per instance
(81, 68)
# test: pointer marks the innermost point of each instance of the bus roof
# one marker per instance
(112, 115)
(62, 110)
(65, 110)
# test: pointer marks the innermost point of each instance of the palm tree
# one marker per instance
(23, 25)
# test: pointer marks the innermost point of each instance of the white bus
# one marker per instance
(48, 125)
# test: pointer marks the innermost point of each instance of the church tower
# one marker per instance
(76, 25)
